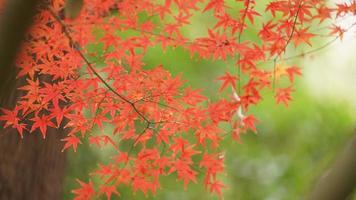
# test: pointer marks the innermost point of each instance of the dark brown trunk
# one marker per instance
(32, 167)
(339, 181)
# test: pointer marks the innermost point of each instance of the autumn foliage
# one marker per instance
(172, 129)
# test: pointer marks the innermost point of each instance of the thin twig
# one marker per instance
(285, 46)
(239, 42)
(75, 46)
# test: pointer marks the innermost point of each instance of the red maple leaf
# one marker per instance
(337, 30)
(71, 141)
(108, 191)
(302, 36)
(85, 192)
(11, 119)
(283, 95)
(292, 71)
(249, 123)
(227, 80)
(216, 187)
(42, 123)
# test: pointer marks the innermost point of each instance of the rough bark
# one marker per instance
(32, 167)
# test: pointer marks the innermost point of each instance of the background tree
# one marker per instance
(29, 167)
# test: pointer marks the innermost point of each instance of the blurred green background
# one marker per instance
(294, 146)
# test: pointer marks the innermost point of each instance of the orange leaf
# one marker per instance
(227, 80)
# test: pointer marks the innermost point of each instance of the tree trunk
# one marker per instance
(338, 182)
(32, 167)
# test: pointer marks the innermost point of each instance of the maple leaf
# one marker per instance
(214, 163)
(192, 97)
(216, 187)
(11, 119)
(292, 71)
(42, 123)
(189, 151)
(85, 192)
(182, 19)
(337, 30)
(267, 30)
(164, 9)
(179, 144)
(59, 114)
(227, 79)
(208, 132)
(249, 13)
(302, 36)
(108, 191)
(344, 8)
(141, 183)
(104, 170)
(121, 158)
(281, 70)
(214, 4)
(71, 141)
(27, 67)
(220, 111)
(9, 116)
(283, 95)
(184, 171)
(95, 140)
(249, 123)
(304, 10)
(323, 13)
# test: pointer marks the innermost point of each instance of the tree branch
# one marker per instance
(285, 46)
(75, 46)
